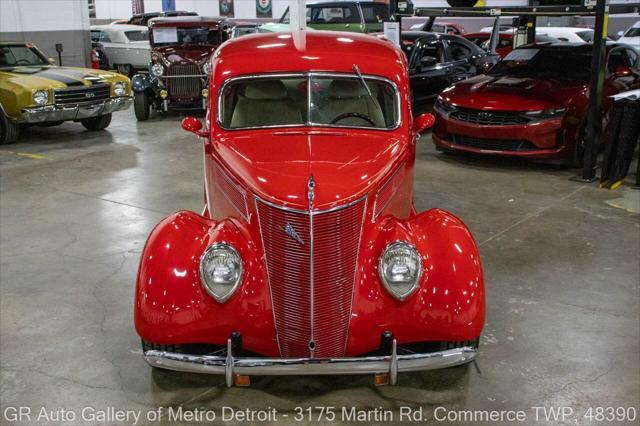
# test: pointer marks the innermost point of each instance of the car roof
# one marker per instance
(186, 20)
(341, 3)
(302, 51)
(116, 27)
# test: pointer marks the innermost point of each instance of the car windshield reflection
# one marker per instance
(309, 100)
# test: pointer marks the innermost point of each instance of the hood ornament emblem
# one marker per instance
(311, 187)
(290, 231)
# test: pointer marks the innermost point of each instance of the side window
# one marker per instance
(617, 59)
(334, 15)
(458, 51)
(633, 58)
(375, 13)
(428, 51)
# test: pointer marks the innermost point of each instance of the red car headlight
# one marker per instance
(221, 271)
(400, 267)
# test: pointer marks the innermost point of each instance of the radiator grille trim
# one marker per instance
(82, 95)
(489, 117)
(312, 295)
(184, 80)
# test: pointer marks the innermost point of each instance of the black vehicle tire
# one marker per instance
(97, 123)
(462, 3)
(141, 106)
(9, 131)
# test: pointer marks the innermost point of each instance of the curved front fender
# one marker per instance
(449, 304)
(171, 306)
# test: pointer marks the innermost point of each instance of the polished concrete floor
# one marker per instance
(561, 258)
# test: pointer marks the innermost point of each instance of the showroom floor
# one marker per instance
(561, 259)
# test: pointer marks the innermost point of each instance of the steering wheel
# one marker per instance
(25, 61)
(353, 115)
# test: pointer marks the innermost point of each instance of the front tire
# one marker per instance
(9, 131)
(141, 106)
(100, 122)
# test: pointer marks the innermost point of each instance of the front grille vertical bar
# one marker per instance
(311, 186)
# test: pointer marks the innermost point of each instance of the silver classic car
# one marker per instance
(127, 46)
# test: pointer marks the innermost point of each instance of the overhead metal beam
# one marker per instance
(523, 10)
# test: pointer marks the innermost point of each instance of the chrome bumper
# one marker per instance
(230, 365)
(73, 112)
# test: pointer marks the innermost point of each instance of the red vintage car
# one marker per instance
(531, 104)
(309, 256)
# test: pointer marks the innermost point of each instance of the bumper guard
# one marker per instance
(230, 365)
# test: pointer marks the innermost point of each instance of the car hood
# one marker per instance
(54, 76)
(195, 53)
(511, 93)
(277, 166)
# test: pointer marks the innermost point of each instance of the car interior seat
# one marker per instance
(265, 103)
(349, 96)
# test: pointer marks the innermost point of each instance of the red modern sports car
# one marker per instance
(505, 41)
(531, 104)
(309, 256)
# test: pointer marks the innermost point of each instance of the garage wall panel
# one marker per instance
(48, 23)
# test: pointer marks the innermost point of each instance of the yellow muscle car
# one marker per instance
(33, 91)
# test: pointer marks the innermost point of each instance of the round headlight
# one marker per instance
(220, 270)
(119, 88)
(400, 267)
(157, 70)
(206, 67)
(40, 97)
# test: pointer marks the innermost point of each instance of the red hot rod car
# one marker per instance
(309, 256)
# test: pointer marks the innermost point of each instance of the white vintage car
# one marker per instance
(127, 46)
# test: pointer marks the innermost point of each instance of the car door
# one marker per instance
(335, 17)
(428, 70)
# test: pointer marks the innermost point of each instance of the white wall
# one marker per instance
(58, 15)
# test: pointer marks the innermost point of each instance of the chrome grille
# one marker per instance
(82, 95)
(184, 81)
(489, 118)
(336, 240)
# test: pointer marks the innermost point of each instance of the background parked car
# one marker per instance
(531, 104)
(568, 34)
(631, 36)
(126, 46)
(440, 27)
(353, 16)
(143, 18)
(180, 64)
(436, 61)
(505, 42)
(33, 91)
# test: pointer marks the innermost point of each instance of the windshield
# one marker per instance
(20, 55)
(163, 36)
(137, 35)
(560, 64)
(633, 32)
(586, 35)
(309, 100)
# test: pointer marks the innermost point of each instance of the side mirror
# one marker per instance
(622, 71)
(193, 125)
(51, 61)
(620, 33)
(423, 122)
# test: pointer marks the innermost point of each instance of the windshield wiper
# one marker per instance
(356, 70)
